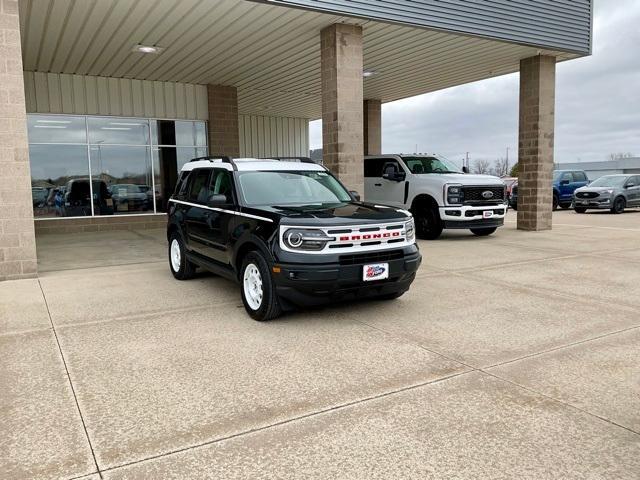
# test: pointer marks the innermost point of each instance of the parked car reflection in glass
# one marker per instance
(128, 197)
(77, 198)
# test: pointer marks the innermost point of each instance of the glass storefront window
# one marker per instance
(124, 175)
(191, 134)
(129, 172)
(60, 180)
(118, 131)
(56, 129)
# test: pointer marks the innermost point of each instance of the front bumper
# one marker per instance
(604, 203)
(469, 216)
(317, 284)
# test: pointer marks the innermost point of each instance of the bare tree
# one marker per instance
(500, 167)
(618, 156)
(481, 167)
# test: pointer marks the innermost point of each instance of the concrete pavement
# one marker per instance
(513, 356)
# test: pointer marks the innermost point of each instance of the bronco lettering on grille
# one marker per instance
(371, 236)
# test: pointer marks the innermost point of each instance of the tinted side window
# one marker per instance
(199, 186)
(181, 185)
(373, 167)
(579, 177)
(566, 176)
(221, 184)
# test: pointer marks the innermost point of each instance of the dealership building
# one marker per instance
(103, 101)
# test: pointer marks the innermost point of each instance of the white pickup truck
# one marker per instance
(437, 192)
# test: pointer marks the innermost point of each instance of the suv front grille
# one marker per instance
(480, 195)
(587, 194)
(373, 257)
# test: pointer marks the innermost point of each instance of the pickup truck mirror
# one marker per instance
(395, 176)
(565, 182)
(465, 169)
(214, 200)
(629, 185)
(355, 195)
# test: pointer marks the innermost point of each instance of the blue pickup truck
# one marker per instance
(564, 183)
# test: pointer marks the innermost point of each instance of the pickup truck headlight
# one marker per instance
(303, 239)
(410, 230)
(454, 194)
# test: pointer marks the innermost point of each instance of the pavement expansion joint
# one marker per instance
(292, 420)
(73, 391)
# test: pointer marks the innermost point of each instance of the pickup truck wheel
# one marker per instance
(483, 232)
(258, 291)
(428, 223)
(565, 206)
(618, 205)
(580, 209)
(555, 202)
(181, 268)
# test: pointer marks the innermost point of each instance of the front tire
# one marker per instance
(181, 268)
(618, 206)
(483, 232)
(429, 226)
(555, 203)
(565, 206)
(258, 290)
(580, 209)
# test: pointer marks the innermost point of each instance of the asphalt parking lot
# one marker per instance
(513, 356)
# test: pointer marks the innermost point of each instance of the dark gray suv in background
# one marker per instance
(611, 192)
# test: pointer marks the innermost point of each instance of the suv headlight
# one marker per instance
(454, 194)
(303, 239)
(410, 230)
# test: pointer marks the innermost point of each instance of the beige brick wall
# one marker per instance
(17, 239)
(372, 127)
(536, 142)
(224, 133)
(100, 224)
(342, 96)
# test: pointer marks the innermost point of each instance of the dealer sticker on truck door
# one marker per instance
(376, 271)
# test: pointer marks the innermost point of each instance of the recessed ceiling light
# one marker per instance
(147, 49)
(368, 73)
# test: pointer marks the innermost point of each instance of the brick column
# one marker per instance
(372, 127)
(17, 237)
(342, 125)
(224, 135)
(535, 148)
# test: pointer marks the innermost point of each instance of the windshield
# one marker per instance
(609, 181)
(419, 165)
(291, 188)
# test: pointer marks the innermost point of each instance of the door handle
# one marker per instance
(377, 184)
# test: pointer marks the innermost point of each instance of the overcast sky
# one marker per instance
(597, 104)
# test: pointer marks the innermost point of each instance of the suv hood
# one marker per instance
(353, 213)
(462, 178)
(587, 188)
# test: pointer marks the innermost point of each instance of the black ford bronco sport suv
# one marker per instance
(289, 232)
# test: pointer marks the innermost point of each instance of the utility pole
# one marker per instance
(507, 169)
(467, 160)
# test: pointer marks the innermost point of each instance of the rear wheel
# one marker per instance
(258, 290)
(618, 205)
(181, 268)
(565, 206)
(429, 226)
(555, 202)
(580, 209)
(483, 232)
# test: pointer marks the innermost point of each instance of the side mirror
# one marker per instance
(465, 169)
(355, 195)
(629, 185)
(395, 176)
(214, 200)
(564, 182)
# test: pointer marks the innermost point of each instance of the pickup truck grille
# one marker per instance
(373, 257)
(483, 195)
(587, 194)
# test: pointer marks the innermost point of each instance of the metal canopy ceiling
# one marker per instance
(271, 53)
